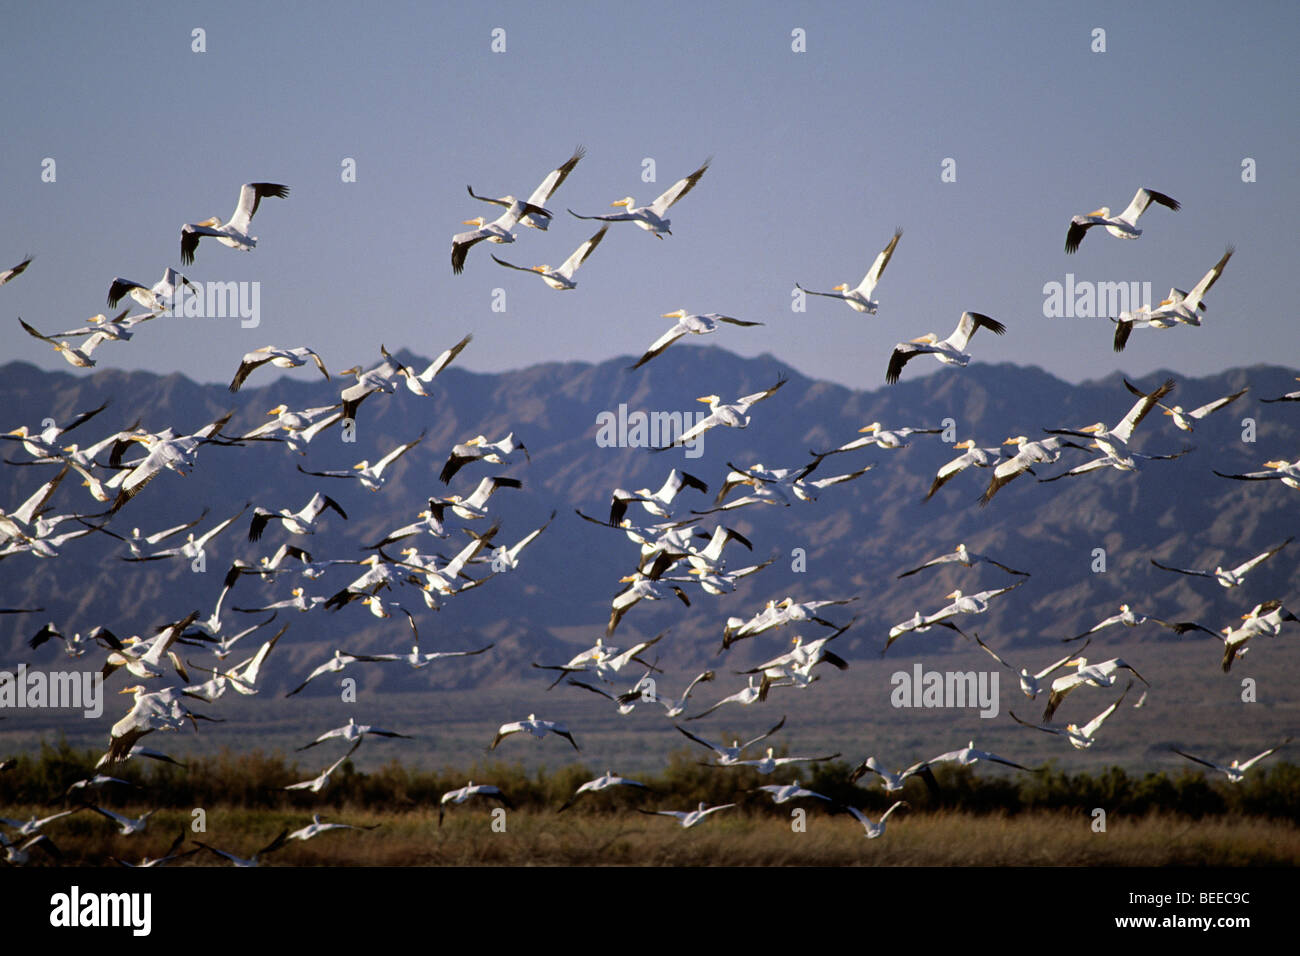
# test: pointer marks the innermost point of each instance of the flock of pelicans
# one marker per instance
(677, 557)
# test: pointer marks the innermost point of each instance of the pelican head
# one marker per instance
(476, 221)
(842, 287)
(625, 201)
(679, 314)
(968, 443)
(709, 399)
(873, 427)
(213, 222)
(928, 339)
(279, 409)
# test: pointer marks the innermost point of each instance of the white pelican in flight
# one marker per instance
(965, 558)
(561, 279)
(126, 825)
(40, 442)
(18, 855)
(1287, 472)
(875, 830)
(1113, 441)
(474, 506)
(317, 827)
(7, 274)
(162, 710)
(651, 217)
(340, 660)
(961, 604)
(1098, 675)
(693, 818)
(32, 825)
(1180, 308)
(300, 426)
(949, 351)
(603, 782)
(158, 298)
(687, 323)
(352, 731)
(1129, 618)
(256, 858)
(893, 781)
(1235, 771)
(165, 449)
(1183, 418)
(471, 789)
(730, 756)
(673, 707)
(1230, 577)
(1266, 619)
(603, 660)
(1288, 397)
(770, 763)
(745, 696)
(785, 792)
(280, 358)
(416, 381)
(498, 230)
(101, 329)
(968, 755)
(657, 503)
(777, 614)
(295, 522)
(318, 783)
(370, 476)
(1031, 684)
(639, 587)
(79, 356)
(973, 456)
(880, 436)
(1123, 226)
(479, 448)
(1127, 462)
(859, 298)
(542, 194)
(1080, 738)
(167, 857)
(734, 415)
(235, 232)
(1030, 453)
(538, 728)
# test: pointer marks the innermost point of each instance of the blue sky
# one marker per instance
(818, 156)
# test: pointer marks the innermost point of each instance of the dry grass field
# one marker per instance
(729, 838)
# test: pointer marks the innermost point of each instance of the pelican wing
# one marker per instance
(580, 254)
(968, 324)
(555, 178)
(661, 343)
(8, 274)
(1142, 199)
(868, 283)
(1193, 298)
(250, 197)
(1141, 408)
(1215, 405)
(679, 189)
